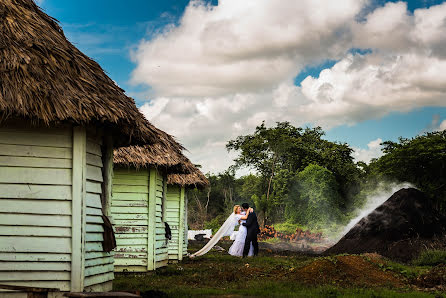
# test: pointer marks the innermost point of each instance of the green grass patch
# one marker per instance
(431, 258)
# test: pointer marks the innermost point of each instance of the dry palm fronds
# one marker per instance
(45, 79)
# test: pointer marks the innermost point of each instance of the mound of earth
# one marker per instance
(349, 270)
(399, 228)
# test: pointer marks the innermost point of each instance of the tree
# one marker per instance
(420, 160)
(314, 198)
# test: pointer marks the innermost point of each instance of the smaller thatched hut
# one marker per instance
(177, 208)
(142, 202)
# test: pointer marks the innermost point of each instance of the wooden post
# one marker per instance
(152, 220)
(181, 226)
(78, 209)
(108, 174)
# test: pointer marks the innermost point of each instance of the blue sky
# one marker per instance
(132, 42)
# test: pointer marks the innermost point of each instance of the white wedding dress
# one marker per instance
(238, 245)
(226, 230)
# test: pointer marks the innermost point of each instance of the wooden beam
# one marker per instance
(181, 226)
(78, 207)
(151, 221)
(108, 174)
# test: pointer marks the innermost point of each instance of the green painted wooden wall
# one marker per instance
(176, 218)
(138, 212)
(50, 180)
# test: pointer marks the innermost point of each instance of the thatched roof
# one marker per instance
(45, 79)
(158, 155)
(181, 170)
(196, 178)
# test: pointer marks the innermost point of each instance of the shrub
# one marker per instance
(215, 223)
(431, 258)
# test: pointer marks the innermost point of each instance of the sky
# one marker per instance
(366, 71)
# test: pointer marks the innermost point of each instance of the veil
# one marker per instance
(225, 230)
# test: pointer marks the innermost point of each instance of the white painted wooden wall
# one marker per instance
(161, 253)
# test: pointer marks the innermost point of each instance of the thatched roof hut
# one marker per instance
(45, 79)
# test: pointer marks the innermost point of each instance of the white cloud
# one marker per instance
(366, 155)
(224, 69)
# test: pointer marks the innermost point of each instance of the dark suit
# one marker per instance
(253, 229)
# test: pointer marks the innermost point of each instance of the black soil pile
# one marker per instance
(400, 228)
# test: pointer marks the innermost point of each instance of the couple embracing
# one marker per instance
(245, 243)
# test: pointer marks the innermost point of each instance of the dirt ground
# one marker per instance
(281, 270)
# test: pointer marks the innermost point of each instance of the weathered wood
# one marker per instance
(98, 254)
(94, 148)
(130, 222)
(131, 241)
(34, 275)
(129, 189)
(35, 266)
(128, 181)
(93, 200)
(36, 206)
(99, 269)
(94, 173)
(30, 191)
(94, 228)
(118, 203)
(35, 151)
(133, 248)
(131, 229)
(131, 236)
(129, 268)
(108, 174)
(98, 261)
(151, 225)
(97, 279)
(35, 257)
(130, 216)
(60, 285)
(35, 220)
(94, 160)
(93, 246)
(139, 210)
(78, 205)
(35, 231)
(181, 224)
(94, 219)
(131, 196)
(35, 162)
(133, 262)
(35, 139)
(98, 237)
(93, 211)
(35, 175)
(94, 187)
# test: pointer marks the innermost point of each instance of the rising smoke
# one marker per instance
(379, 196)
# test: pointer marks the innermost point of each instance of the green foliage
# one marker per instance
(285, 227)
(314, 198)
(421, 161)
(431, 258)
(215, 223)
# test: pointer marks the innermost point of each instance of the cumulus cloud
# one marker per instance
(224, 69)
(366, 155)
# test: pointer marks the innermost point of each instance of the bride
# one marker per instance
(236, 218)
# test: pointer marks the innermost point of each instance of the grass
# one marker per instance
(269, 275)
(431, 258)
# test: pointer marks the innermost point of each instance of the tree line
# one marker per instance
(303, 179)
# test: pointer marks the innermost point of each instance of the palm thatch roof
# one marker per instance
(47, 80)
(193, 179)
(181, 170)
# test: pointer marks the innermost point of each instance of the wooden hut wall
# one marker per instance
(35, 213)
(176, 219)
(50, 181)
(137, 211)
(99, 266)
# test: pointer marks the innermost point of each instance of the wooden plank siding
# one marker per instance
(129, 210)
(98, 264)
(173, 219)
(35, 207)
(138, 218)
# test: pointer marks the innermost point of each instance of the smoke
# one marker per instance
(379, 196)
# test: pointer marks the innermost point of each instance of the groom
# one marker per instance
(252, 227)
